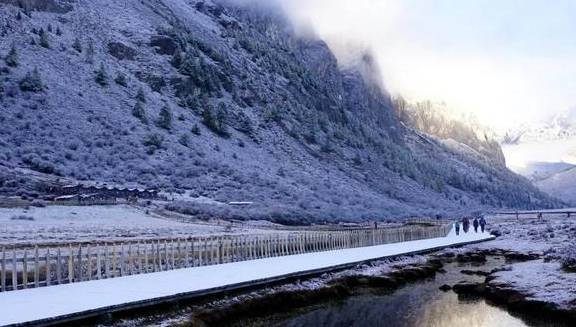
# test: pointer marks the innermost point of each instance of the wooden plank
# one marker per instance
(14, 271)
(106, 261)
(138, 259)
(48, 263)
(58, 266)
(172, 254)
(166, 255)
(145, 257)
(71, 265)
(179, 254)
(130, 269)
(158, 256)
(114, 270)
(192, 254)
(220, 249)
(89, 264)
(36, 267)
(122, 260)
(3, 273)
(79, 263)
(25, 270)
(186, 253)
(98, 262)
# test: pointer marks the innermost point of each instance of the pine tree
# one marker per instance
(101, 76)
(50, 28)
(184, 140)
(153, 142)
(164, 118)
(208, 118)
(31, 82)
(12, 57)
(19, 16)
(139, 112)
(196, 130)
(58, 31)
(90, 52)
(221, 117)
(121, 80)
(1, 90)
(177, 58)
(141, 96)
(77, 45)
(44, 42)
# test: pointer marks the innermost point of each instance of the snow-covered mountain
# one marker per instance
(546, 153)
(561, 185)
(227, 102)
(560, 126)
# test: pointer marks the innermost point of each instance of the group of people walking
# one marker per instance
(465, 222)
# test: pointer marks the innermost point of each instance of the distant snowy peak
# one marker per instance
(558, 127)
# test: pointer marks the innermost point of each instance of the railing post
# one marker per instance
(48, 262)
(3, 276)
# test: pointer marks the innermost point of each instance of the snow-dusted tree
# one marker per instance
(184, 140)
(58, 31)
(44, 42)
(177, 58)
(121, 80)
(196, 130)
(141, 96)
(208, 118)
(90, 52)
(221, 117)
(101, 76)
(153, 142)
(77, 45)
(12, 57)
(32, 82)
(139, 112)
(164, 118)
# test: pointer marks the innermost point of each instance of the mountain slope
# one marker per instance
(225, 101)
(560, 185)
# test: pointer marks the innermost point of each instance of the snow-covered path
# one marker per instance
(56, 303)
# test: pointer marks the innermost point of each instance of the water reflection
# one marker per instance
(418, 305)
(407, 309)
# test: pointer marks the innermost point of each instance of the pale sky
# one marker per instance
(507, 61)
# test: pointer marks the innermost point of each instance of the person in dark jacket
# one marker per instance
(482, 224)
(457, 227)
(475, 223)
(465, 224)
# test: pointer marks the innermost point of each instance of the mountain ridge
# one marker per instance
(225, 101)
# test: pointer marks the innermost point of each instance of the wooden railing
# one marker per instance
(70, 263)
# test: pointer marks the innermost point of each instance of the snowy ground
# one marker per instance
(107, 293)
(545, 281)
(541, 281)
(531, 235)
(88, 223)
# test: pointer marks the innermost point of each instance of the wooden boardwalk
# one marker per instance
(70, 302)
(56, 264)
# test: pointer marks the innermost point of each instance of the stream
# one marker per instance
(416, 305)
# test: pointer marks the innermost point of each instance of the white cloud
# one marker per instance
(475, 58)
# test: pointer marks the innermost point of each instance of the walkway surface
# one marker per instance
(78, 300)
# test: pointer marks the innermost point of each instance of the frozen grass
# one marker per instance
(553, 238)
(89, 223)
(542, 281)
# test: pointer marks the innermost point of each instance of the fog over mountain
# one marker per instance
(233, 102)
(545, 152)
